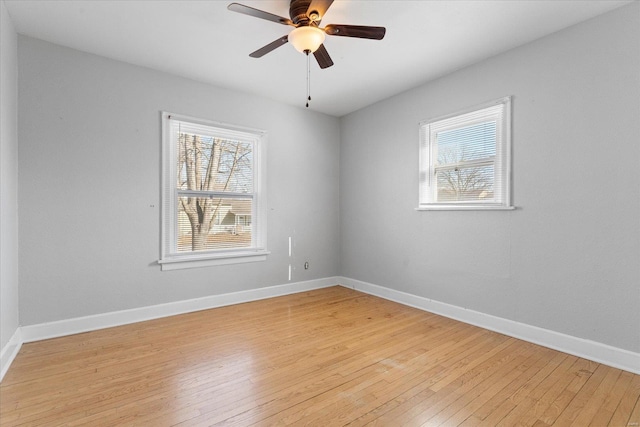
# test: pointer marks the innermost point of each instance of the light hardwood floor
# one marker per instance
(328, 357)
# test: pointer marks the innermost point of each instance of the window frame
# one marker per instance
(429, 129)
(170, 258)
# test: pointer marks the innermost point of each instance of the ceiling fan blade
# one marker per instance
(323, 58)
(257, 13)
(268, 48)
(360, 31)
(319, 6)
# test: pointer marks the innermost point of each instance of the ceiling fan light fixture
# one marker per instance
(306, 39)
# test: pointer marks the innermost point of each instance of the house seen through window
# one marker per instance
(465, 159)
(213, 207)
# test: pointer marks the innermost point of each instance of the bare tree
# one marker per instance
(209, 164)
(459, 178)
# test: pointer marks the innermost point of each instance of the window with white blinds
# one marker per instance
(213, 207)
(465, 159)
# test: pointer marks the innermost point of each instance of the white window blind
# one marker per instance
(465, 159)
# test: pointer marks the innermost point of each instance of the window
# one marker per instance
(465, 159)
(213, 204)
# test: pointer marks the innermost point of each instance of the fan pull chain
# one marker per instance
(308, 77)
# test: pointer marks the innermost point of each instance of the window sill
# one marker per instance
(465, 208)
(193, 261)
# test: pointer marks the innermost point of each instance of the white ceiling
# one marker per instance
(204, 41)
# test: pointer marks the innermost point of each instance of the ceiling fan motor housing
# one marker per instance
(298, 12)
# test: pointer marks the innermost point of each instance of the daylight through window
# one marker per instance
(213, 209)
(465, 159)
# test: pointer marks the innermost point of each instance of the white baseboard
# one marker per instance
(591, 350)
(9, 352)
(77, 325)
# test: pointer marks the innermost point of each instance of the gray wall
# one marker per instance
(8, 178)
(568, 259)
(89, 131)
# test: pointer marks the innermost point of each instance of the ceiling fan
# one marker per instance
(308, 36)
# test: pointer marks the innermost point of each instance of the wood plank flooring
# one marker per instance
(329, 357)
